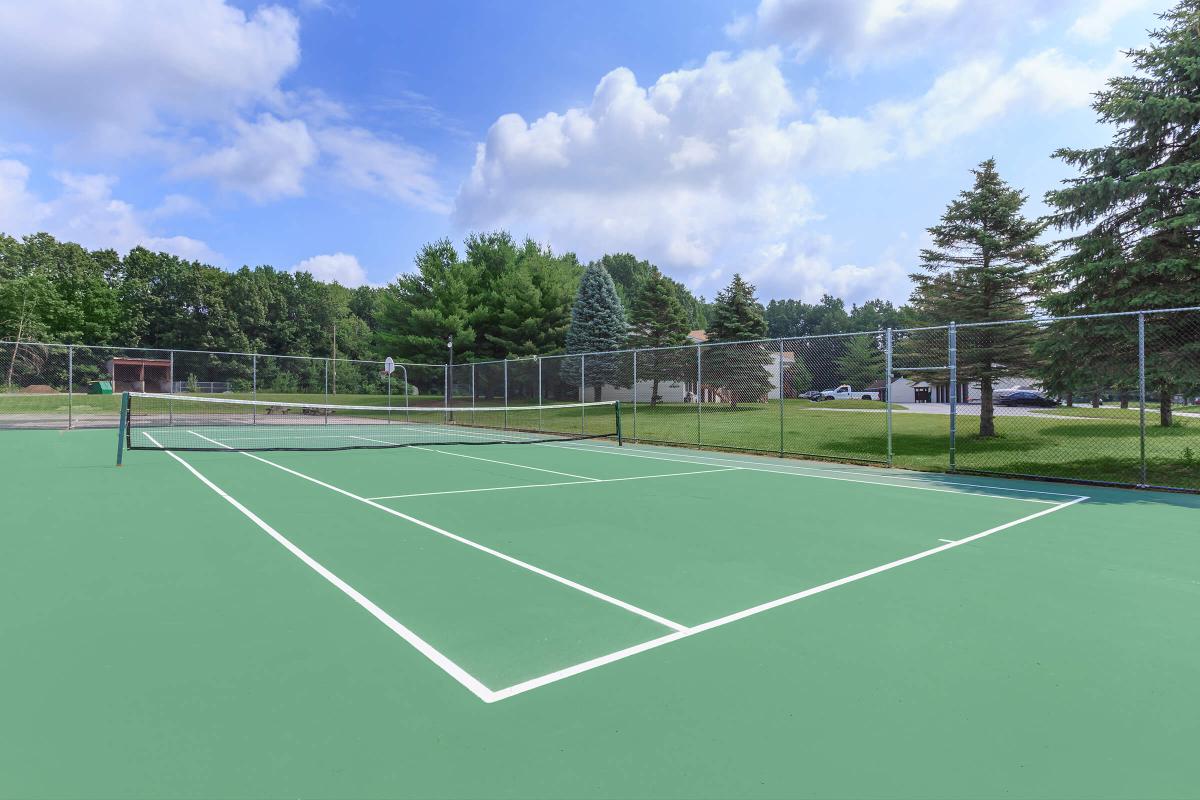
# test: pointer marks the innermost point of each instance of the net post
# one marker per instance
(887, 390)
(582, 394)
(389, 385)
(1142, 393)
(953, 341)
(472, 392)
(506, 392)
(407, 418)
(71, 386)
(171, 403)
(541, 423)
(254, 387)
(122, 427)
(617, 411)
(325, 416)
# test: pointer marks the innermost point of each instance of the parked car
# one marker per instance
(815, 396)
(1025, 397)
(845, 392)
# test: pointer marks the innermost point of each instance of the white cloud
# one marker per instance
(119, 70)
(858, 33)
(703, 163)
(266, 160)
(361, 160)
(86, 212)
(1097, 24)
(704, 172)
(972, 95)
(806, 268)
(340, 267)
(195, 86)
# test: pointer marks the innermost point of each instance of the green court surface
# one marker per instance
(578, 619)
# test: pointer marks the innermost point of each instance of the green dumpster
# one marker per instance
(100, 387)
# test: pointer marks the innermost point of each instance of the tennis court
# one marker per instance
(563, 615)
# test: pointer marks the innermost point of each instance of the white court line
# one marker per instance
(827, 470)
(564, 483)
(615, 452)
(481, 458)
(423, 647)
(947, 541)
(585, 666)
(463, 540)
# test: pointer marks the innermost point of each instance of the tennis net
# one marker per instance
(184, 422)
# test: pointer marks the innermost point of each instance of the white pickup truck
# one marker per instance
(844, 392)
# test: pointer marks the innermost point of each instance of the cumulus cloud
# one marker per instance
(974, 94)
(84, 211)
(266, 160)
(860, 33)
(195, 86)
(705, 171)
(120, 70)
(702, 161)
(1097, 23)
(806, 268)
(340, 267)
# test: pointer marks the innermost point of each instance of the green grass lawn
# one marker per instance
(1104, 450)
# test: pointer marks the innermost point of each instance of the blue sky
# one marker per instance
(804, 143)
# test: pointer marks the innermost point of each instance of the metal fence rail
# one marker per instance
(1120, 392)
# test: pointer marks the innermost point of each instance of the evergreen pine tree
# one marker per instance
(657, 320)
(1136, 199)
(597, 325)
(860, 362)
(980, 270)
(739, 369)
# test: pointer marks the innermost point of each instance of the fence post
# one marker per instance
(254, 387)
(472, 392)
(407, 418)
(541, 424)
(326, 414)
(635, 352)
(953, 338)
(506, 393)
(389, 385)
(779, 381)
(170, 403)
(1142, 393)
(887, 390)
(582, 393)
(699, 393)
(71, 386)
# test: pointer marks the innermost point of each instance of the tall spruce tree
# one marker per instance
(739, 369)
(860, 362)
(657, 320)
(980, 269)
(597, 325)
(1137, 202)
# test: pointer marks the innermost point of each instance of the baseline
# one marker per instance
(623, 452)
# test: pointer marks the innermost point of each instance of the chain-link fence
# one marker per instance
(1101, 398)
